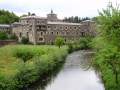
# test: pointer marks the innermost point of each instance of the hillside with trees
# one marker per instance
(7, 17)
(75, 19)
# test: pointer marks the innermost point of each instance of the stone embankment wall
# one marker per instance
(7, 42)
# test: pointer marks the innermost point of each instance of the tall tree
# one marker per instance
(7, 17)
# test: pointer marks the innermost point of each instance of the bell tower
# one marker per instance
(52, 16)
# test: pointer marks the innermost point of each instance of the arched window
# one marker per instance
(52, 33)
(57, 33)
(82, 34)
(27, 34)
(40, 39)
(41, 33)
(20, 34)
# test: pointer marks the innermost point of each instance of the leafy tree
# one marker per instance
(107, 59)
(109, 21)
(59, 41)
(7, 17)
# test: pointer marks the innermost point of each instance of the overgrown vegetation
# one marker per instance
(59, 41)
(7, 17)
(3, 36)
(21, 65)
(83, 43)
(25, 40)
(107, 58)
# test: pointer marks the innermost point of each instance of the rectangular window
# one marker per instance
(52, 33)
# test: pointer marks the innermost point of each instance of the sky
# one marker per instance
(63, 8)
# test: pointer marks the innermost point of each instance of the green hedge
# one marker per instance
(21, 65)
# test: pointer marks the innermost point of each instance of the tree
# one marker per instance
(7, 17)
(59, 41)
(108, 56)
(75, 19)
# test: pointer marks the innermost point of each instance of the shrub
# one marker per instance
(25, 40)
(22, 65)
(85, 42)
(3, 36)
(59, 41)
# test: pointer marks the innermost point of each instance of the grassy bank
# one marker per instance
(21, 65)
(107, 62)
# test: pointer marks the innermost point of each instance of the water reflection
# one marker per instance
(74, 76)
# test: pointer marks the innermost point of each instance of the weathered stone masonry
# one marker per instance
(45, 30)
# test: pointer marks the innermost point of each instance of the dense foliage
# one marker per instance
(3, 36)
(83, 43)
(59, 41)
(21, 65)
(107, 58)
(7, 17)
(25, 40)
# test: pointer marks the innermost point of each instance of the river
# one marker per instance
(75, 75)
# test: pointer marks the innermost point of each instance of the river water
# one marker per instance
(75, 75)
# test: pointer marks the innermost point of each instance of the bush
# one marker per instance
(22, 65)
(59, 41)
(3, 36)
(25, 40)
(85, 42)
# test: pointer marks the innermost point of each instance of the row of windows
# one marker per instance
(28, 21)
(38, 22)
(62, 27)
(63, 33)
(4, 28)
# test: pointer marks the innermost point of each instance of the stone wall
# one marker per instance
(7, 42)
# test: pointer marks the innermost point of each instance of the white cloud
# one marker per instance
(61, 7)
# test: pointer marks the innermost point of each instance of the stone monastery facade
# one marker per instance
(44, 30)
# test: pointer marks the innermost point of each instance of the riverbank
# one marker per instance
(74, 75)
(22, 65)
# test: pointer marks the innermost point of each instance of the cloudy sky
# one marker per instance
(64, 8)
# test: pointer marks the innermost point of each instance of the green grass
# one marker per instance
(21, 65)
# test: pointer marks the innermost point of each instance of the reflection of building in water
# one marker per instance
(45, 30)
